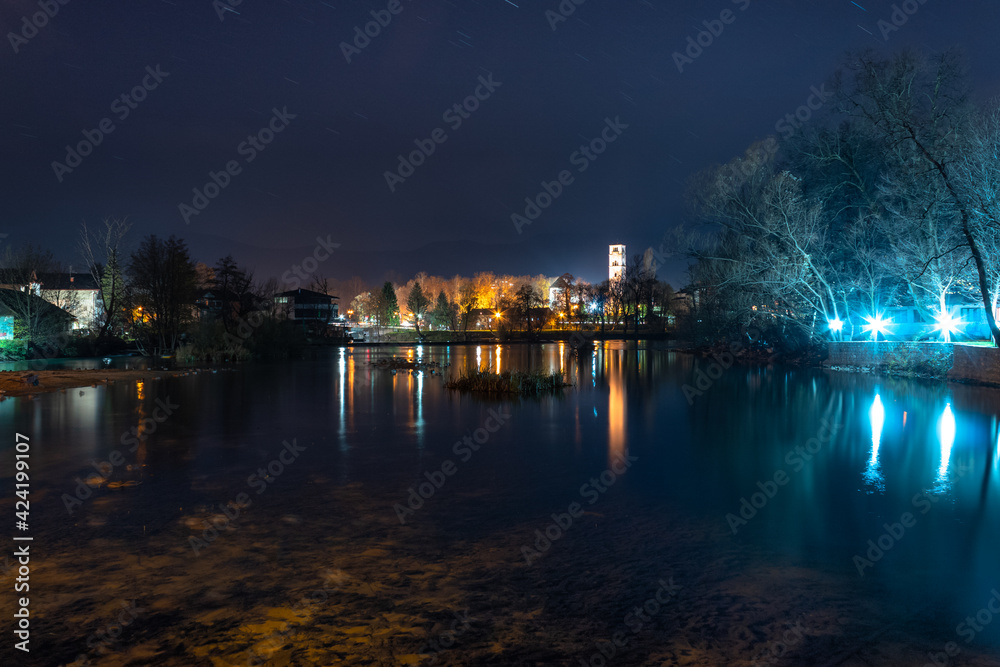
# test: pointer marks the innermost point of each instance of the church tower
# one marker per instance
(616, 261)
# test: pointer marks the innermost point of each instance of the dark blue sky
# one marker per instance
(324, 173)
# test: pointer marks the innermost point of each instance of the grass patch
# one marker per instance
(523, 384)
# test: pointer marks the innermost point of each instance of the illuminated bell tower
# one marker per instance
(616, 261)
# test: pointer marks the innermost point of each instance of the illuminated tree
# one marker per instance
(417, 302)
(387, 308)
(917, 108)
(445, 313)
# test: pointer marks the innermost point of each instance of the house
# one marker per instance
(557, 291)
(22, 309)
(76, 293)
(968, 321)
(211, 303)
(303, 305)
(6, 323)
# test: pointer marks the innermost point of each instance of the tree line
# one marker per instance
(147, 297)
(890, 198)
(524, 303)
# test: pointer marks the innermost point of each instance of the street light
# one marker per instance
(947, 325)
(876, 325)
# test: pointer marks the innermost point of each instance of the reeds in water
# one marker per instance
(516, 382)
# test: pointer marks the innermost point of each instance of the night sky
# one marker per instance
(324, 172)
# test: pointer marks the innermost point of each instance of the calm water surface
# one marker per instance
(790, 469)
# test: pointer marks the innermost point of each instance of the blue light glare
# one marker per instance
(996, 457)
(947, 325)
(946, 432)
(873, 473)
(877, 325)
(877, 416)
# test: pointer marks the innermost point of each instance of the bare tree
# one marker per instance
(162, 276)
(525, 302)
(103, 250)
(467, 301)
(918, 109)
(978, 172)
(19, 274)
(772, 253)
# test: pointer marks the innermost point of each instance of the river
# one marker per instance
(661, 510)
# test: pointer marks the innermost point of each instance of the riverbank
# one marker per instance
(409, 337)
(948, 362)
(954, 362)
(23, 383)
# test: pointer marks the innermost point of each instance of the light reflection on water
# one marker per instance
(367, 426)
(946, 434)
(873, 474)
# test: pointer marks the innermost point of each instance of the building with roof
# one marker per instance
(616, 261)
(76, 293)
(303, 305)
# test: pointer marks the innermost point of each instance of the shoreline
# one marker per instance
(14, 384)
(973, 366)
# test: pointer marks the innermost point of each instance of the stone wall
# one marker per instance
(967, 363)
(867, 353)
(976, 364)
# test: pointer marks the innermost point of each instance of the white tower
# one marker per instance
(616, 261)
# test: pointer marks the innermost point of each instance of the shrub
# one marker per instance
(13, 350)
(516, 382)
(928, 361)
